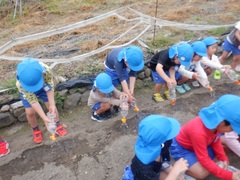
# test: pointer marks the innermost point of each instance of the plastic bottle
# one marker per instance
(128, 175)
(205, 83)
(52, 126)
(124, 107)
(134, 105)
(172, 94)
(233, 75)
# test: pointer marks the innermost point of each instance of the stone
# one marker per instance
(63, 92)
(141, 75)
(147, 72)
(22, 117)
(18, 112)
(72, 91)
(6, 119)
(82, 90)
(72, 101)
(5, 108)
(85, 96)
(16, 105)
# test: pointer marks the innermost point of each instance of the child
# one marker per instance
(199, 140)
(231, 140)
(102, 97)
(211, 61)
(152, 160)
(195, 70)
(4, 147)
(232, 44)
(163, 65)
(116, 64)
(34, 81)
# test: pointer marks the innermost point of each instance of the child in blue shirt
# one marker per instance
(117, 63)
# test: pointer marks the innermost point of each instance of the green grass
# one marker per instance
(219, 31)
(11, 83)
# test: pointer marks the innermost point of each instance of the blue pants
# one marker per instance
(159, 80)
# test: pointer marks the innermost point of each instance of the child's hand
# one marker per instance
(195, 76)
(181, 165)
(171, 83)
(236, 175)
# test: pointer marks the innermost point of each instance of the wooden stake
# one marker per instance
(155, 20)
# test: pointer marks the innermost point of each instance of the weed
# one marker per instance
(59, 100)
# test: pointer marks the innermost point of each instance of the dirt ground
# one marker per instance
(92, 150)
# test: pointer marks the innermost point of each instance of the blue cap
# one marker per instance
(153, 131)
(134, 57)
(225, 108)
(208, 41)
(183, 51)
(104, 83)
(200, 48)
(29, 73)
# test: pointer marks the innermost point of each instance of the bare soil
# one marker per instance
(94, 150)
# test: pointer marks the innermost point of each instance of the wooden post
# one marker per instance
(154, 29)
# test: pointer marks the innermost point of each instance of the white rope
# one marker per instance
(142, 19)
(160, 22)
(21, 40)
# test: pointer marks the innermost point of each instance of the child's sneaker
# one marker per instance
(61, 131)
(180, 89)
(4, 150)
(107, 114)
(37, 136)
(186, 87)
(237, 68)
(217, 74)
(97, 117)
(157, 97)
(116, 110)
(195, 84)
(166, 94)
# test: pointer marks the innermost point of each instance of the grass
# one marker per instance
(11, 83)
(219, 31)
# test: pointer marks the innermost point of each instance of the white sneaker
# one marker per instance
(195, 84)
(237, 68)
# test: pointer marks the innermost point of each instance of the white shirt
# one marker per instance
(212, 63)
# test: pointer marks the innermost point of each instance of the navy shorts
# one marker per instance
(41, 94)
(159, 80)
(96, 106)
(177, 152)
(228, 47)
(115, 80)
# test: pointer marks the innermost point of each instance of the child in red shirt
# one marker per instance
(199, 139)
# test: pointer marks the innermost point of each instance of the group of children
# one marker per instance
(195, 146)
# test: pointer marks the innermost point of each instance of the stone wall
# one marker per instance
(65, 100)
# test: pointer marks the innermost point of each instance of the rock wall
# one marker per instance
(65, 100)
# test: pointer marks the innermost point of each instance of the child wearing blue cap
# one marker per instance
(199, 140)
(102, 97)
(163, 66)
(195, 70)
(232, 44)
(211, 61)
(152, 160)
(116, 66)
(34, 81)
